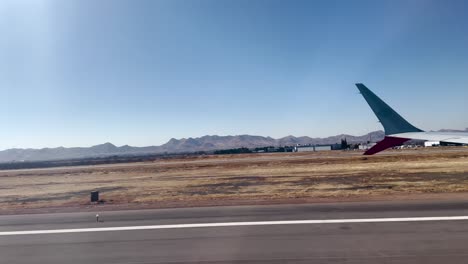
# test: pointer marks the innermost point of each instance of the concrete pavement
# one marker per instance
(386, 242)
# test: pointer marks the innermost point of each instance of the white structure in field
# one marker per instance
(431, 143)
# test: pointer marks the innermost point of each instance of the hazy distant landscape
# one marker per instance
(185, 145)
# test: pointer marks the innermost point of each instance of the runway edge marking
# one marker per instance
(234, 224)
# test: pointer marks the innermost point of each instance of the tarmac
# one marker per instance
(360, 232)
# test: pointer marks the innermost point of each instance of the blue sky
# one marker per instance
(80, 73)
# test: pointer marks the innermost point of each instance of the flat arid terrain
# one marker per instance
(241, 179)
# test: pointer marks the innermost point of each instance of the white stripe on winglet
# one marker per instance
(233, 224)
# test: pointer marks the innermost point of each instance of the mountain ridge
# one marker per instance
(183, 145)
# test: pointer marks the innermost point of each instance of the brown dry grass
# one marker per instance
(247, 178)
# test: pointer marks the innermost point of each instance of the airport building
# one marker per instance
(304, 148)
(312, 148)
(323, 148)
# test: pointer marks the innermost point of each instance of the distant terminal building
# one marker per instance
(304, 148)
(313, 148)
(323, 148)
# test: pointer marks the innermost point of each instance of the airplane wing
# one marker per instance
(398, 130)
(452, 137)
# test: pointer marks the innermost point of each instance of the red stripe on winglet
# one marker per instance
(386, 143)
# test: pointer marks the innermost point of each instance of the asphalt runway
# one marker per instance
(408, 238)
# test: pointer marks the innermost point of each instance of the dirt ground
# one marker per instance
(241, 179)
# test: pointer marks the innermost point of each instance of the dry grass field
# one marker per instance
(241, 179)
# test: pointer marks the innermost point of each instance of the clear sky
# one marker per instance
(80, 73)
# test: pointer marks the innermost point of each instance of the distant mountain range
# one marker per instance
(185, 145)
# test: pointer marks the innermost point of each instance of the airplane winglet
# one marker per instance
(392, 122)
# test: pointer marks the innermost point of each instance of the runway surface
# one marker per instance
(423, 232)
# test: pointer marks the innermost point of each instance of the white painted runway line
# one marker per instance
(234, 224)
